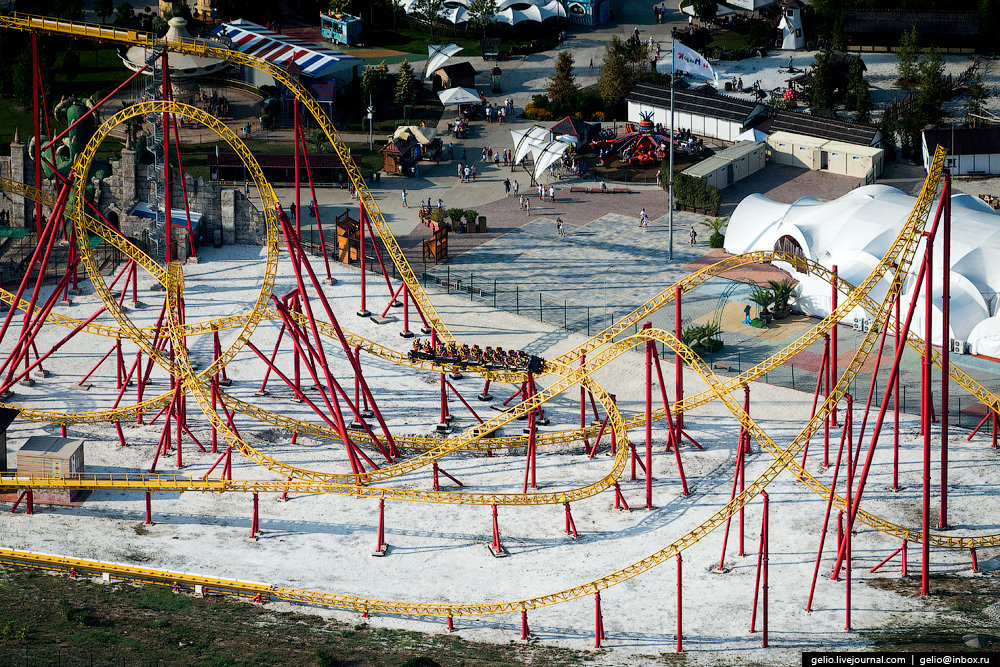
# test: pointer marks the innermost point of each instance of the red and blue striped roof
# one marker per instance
(312, 59)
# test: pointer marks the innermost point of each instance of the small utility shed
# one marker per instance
(831, 129)
(701, 110)
(575, 130)
(730, 165)
(456, 75)
(973, 151)
(837, 157)
(400, 154)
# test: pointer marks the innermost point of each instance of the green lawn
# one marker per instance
(730, 40)
(416, 41)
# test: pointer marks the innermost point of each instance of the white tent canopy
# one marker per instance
(424, 135)
(454, 96)
(511, 12)
(543, 156)
(854, 231)
(438, 56)
(524, 140)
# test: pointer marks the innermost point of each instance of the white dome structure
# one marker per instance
(510, 12)
(184, 68)
(855, 231)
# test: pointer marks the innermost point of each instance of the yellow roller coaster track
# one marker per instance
(900, 255)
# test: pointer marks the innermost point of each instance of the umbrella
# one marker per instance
(454, 96)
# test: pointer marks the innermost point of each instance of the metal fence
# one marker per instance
(15, 256)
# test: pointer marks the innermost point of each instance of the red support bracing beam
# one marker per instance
(363, 312)
(583, 405)
(570, 524)
(847, 499)
(315, 204)
(678, 361)
(886, 559)
(529, 459)
(486, 395)
(620, 502)
(826, 518)
(835, 370)
(35, 75)
(294, 245)
(378, 256)
(464, 402)
(737, 469)
(673, 426)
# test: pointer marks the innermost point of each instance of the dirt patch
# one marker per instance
(84, 622)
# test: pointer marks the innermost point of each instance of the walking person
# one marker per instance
(693, 235)
(404, 200)
(496, 160)
(506, 187)
(527, 207)
(473, 173)
(460, 170)
(552, 193)
(642, 216)
(559, 227)
(484, 155)
(541, 192)
(516, 186)
(520, 202)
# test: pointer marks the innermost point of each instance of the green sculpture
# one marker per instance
(68, 149)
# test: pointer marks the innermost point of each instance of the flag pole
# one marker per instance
(670, 196)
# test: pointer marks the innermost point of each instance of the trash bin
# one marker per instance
(378, 176)
(481, 225)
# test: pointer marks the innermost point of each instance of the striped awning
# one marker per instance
(312, 60)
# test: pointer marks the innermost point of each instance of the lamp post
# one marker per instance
(371, 110)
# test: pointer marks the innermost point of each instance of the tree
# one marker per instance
(429, 10)
(829, 19)
(373, 84)
(975, 96)
(406, 85)
(482, 14)
(104, 9)
(907, 54)
(930, 94)
(821, 82)
(615, 80)
(125, 15)
(705, 10)
(858, 97)
(562, 84)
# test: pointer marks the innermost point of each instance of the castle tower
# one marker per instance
(127, 169)
(20, 207)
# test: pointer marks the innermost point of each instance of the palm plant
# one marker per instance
(717, 239)
(762, 297)
(782, 292)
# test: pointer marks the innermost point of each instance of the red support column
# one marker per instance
(525, 632)
(583, 409)
(451, 624)
(945, 343)
(570, 524)
(847, 498)
(830, 361)
(30, 507)
(486, 395)
(895, 404)
(255, 523)
(833, 351)
(762, 557)
(529, 463)
(925, 529)
(678, 362)
(35, 73)
(975, 561)
(736, 475)
(680, 609)
(496, 548)
(902, 571)
(381, 548)
(406, 333)
(598, 620)
(149, 509)
(620, 499)
(364, 312)
(649, 419)
(443, 426)
(168, 231)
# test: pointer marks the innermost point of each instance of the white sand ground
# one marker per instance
(438, 553)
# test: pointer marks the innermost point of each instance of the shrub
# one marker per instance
(540, 101)
(437, 215)
(471, 217)
(455, 214)
(599, 117)
(690, 191)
